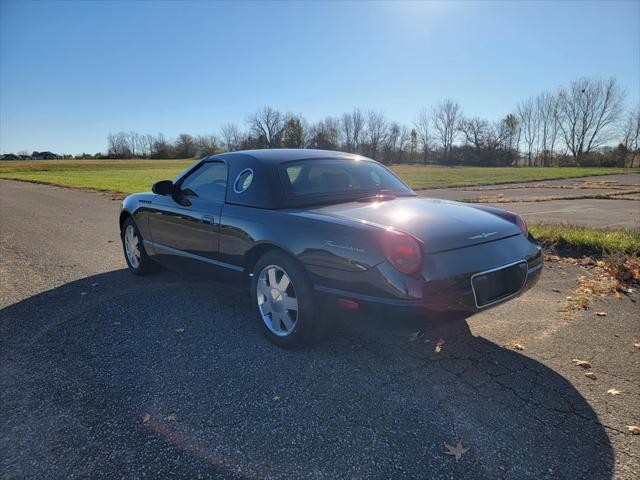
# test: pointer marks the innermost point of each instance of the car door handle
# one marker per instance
(209, 220)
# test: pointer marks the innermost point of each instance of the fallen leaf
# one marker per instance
(557, 290)
(277, 398)
(601, 314)
(171, 418)
(439, 345)
(145, 418)
(613, 391)
(637, 344)
(179, 330)
(456, 451)
(634, 429)
(581, 363)
(569, 298)
(517, 346)
(416, 336)
(584, 303)
(591, 375)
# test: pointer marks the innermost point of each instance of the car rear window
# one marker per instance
(332, 176)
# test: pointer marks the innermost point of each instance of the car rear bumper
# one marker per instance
(446, 284)
(450, 298)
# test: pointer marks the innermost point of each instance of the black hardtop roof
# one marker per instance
(280, 155)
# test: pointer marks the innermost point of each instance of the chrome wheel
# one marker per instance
(132, 246)
(277, 300)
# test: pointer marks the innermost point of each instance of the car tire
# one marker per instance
(135, 255)
(275, 298)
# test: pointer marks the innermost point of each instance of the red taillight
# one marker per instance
(347, 304)
(402, 251)
(519, 221)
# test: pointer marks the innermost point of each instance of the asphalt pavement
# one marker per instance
(107, 375)
(607, 201)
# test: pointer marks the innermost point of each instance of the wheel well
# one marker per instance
(123, 216)
(253, 255)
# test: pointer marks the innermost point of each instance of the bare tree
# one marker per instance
(185, 146)
(206, 145)
(267, 124)
(324, 135)
(145, 145)
(403, 143)
(445, 123)
(133, 140)
(118, 145)
(413, 144)
(351, 130)
(357, 121)
(475, 131)
(587, 112)
(346, 127)
(631, 134)
(392, 141)
(376, 131)
(422, 128)
(293, 135)
(547, 107)
(230, 136)
(511, 127)
(529, 122)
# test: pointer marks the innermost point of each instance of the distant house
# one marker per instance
(10, 156)
(44, 156)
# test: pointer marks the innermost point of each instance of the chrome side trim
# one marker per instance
(501, 299)
(182, 253)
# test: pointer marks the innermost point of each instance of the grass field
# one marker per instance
(128, 176)
(588, 240)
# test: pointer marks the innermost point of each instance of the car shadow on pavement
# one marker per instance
(132, 376)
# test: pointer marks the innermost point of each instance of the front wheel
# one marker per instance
(285, 301)
(134, 252)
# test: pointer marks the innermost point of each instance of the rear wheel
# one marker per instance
(134, 252)
(285, 301)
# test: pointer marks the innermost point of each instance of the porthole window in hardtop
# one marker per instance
(243, 180)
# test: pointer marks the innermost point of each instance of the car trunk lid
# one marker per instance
(439, 224)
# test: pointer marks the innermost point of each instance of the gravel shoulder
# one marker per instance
(103, 374)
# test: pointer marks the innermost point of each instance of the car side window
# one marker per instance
(209, 182)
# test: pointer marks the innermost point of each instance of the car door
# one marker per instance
(184, 226)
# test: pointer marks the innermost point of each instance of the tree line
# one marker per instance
(583, 124)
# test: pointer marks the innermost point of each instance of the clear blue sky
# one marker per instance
(71, 72)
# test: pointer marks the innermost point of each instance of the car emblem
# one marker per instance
(344, 247)
(482, 235)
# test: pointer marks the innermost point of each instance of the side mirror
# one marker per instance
(163, 187)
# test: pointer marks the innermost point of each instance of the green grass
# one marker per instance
(588, 240)
(123, 176)
(419, 176)
(128, 176)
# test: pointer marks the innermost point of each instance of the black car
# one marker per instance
(312, 228)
